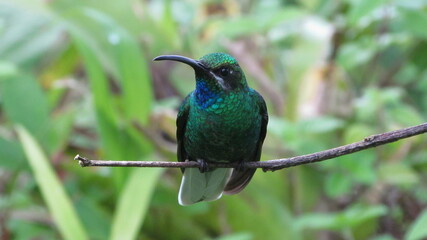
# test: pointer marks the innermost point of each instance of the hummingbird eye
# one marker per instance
(224, 72)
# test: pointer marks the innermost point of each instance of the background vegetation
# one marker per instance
(76, 77)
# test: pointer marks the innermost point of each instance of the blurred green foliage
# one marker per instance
(76, 77)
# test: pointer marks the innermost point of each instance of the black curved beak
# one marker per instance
(196, 65)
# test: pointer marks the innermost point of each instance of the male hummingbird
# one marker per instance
(222, 120)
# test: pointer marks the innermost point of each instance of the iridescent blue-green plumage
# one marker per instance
(222, 120)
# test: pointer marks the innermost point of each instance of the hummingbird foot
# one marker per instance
(204, 166)
(240, 166)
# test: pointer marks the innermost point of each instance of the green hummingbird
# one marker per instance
(222, 120)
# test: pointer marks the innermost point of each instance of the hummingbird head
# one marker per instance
(218, 70)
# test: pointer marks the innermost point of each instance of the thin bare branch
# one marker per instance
(275, 164)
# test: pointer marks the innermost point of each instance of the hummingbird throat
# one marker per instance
(206, 94)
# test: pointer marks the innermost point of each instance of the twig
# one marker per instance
(276, 164)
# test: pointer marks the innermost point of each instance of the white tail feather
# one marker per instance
(197, 186)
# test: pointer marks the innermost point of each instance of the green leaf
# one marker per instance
(94, 217)
(418, 229)
(398, 173)
(361, 166)
(237, 236)
(355, 53)
(337, 184)
(133, 203)
(127, 61)
(413, 21)
(320, 124)
(362, 9)
(273, 218)
(107, 48)
(317, 221)
(357, 132)
(24, 230)
(360, 213)
(11, 154)
(258, 22)
(119, 52)
(383, 237)
(53, 193)
(106, 114)
(351, 217)
(61, 128)
(7, 70)
(27, 36)
(405, 115)
(24, 97)
(113, 50)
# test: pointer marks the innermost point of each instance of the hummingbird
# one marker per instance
(222, 120)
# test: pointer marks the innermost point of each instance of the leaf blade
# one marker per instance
(418, 229)
(54, 195)
(133, 203)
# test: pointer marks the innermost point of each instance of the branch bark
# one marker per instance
(275, 164)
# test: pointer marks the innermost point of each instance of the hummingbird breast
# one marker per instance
(224, 130)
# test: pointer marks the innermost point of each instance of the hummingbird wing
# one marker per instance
(181, 123)
(240, 178)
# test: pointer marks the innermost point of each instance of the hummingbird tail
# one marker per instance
(207, 186)
(239, 180)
